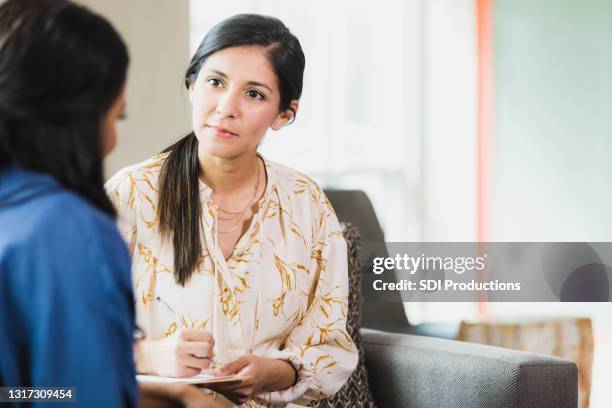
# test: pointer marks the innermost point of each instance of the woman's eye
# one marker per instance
(214, 82)
(255, 95)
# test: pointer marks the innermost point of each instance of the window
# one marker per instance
(388, 107)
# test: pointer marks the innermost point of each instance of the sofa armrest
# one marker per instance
(426, 372)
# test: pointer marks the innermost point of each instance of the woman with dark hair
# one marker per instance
(66, 315)
(239, 263)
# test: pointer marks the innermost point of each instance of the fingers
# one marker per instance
(194, 355)
(183, 354)
(196, 335)
(233, 366)
(183, 370)
(230, 387)
(195, 362)
(197, 349)
(239, 392)
(194, 349)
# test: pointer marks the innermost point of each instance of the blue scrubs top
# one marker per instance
(66, 310)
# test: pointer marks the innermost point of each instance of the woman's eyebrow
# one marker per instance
(252, 83)
(220, 73)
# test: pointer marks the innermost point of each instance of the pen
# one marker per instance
(162, 301)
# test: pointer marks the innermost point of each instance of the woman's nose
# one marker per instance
(227, 105)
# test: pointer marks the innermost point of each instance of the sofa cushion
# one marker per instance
(356, 392)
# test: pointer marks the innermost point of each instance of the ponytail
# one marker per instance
(179, 209)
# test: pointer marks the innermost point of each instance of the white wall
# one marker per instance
(157, 35)
(449, 127)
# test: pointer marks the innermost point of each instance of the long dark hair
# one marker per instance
(61, 68)
(179, 208)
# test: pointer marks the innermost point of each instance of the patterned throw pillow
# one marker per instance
(356, 392)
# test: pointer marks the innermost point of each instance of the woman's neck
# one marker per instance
(227, 176)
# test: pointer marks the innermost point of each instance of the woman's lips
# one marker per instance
(222, 132)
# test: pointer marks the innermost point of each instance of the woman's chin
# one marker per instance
(220, 150)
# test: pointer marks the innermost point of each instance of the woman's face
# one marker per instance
(109, 123)
(234, 101)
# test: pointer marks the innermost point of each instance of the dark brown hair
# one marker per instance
(61, 68)
(179, 210)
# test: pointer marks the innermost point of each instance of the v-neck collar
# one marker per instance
(209, 210)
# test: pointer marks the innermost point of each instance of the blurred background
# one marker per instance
(462, 120)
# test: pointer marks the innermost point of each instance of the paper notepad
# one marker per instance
(197, 379)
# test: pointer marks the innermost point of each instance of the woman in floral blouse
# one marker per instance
(239, 263)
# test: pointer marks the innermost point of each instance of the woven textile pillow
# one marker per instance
(356, 392)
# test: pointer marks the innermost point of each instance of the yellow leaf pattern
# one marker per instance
(295, 256)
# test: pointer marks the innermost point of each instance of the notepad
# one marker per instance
(197, 379)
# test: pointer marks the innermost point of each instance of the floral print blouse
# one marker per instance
(282, 294)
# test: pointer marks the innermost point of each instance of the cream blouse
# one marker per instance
(282, 294)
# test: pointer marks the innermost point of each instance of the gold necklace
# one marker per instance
(228, 218)
(238, 214)
(249, 202)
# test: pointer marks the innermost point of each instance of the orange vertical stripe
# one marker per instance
(484, 23)
(485, 112)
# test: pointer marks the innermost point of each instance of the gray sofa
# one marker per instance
(425, 372)
(414, 371)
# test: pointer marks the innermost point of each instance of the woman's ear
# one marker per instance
(287, 116)
(295, 105)
(190, 92)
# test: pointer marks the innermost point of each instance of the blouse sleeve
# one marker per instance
(121, 190)
(319, 347)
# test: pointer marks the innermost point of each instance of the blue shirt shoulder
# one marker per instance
(65, 293)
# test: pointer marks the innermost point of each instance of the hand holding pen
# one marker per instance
(182, 322)
(184, 354)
